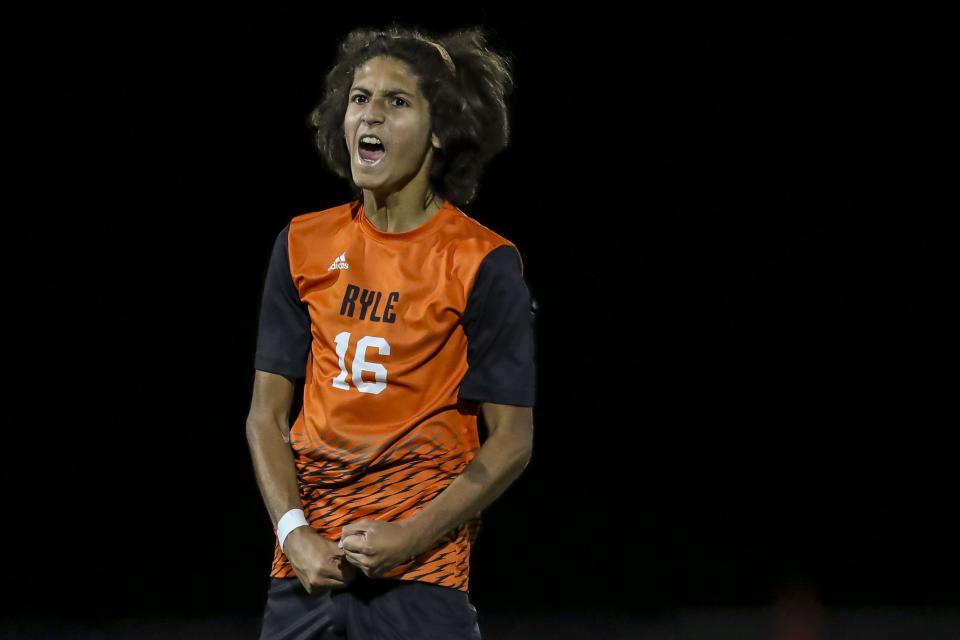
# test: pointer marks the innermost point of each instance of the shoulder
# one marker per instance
(311, 220)
(471, 228)
(316, 228)
(304, 233)
(480, 242)
(491, 250)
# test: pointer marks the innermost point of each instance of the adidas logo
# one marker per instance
(340, 262)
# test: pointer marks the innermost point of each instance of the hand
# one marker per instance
(376, 546)
(318, 562)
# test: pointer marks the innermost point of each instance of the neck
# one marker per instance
(399, 211)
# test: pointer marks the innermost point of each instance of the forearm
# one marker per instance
(498, 463)
(274, 467)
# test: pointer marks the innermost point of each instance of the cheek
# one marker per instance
(346, 134)
(412, 141)
(349, 122)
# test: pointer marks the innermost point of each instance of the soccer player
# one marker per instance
(407, 320)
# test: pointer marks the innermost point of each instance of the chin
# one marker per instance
(371, 187)
(366, 183)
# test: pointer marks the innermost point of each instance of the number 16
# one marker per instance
(360, 364)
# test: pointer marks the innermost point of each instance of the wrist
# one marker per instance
(419, 533)
(288, 523)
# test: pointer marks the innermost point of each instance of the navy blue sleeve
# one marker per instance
(283, 337)
(499, 321)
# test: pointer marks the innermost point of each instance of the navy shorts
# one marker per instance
(368, 609)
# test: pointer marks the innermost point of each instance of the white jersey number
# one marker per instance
(360, 364)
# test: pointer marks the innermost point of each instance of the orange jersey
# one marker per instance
(399, 337)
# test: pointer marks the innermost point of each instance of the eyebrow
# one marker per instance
(388, 92)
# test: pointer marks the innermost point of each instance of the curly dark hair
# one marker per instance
(467, 102)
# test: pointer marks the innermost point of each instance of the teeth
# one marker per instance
(371, 139)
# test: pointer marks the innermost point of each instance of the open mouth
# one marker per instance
(370, 150)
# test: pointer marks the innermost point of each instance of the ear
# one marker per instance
(435, 141)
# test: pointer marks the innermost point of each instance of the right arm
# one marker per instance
(283, 343)
(317, 561)
(268, 430)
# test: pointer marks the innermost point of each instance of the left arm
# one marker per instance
(377, 546)
(500, 461)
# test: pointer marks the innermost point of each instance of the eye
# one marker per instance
(357, 95)
(400, 99)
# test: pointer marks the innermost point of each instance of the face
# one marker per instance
(385, 101)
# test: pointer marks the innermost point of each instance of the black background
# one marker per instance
(734, 222)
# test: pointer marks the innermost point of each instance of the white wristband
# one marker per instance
(290, 521)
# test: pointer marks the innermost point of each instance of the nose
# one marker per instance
(372, 113)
